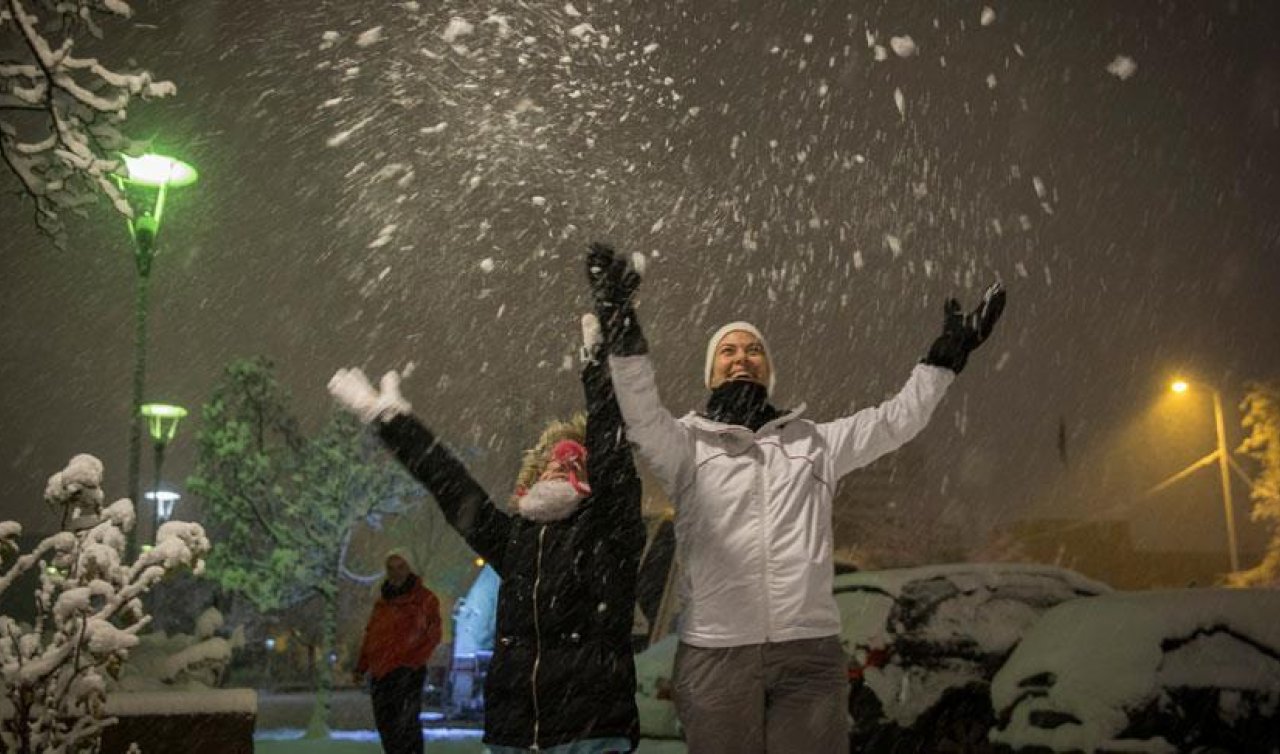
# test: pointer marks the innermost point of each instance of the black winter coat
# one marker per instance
(562, 669)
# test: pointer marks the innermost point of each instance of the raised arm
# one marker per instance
(610, 467)
(857, 440)
(466, 506)
(665, 445)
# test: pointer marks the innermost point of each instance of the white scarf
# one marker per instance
(549, 500)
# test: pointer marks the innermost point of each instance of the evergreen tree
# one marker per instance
(1261, 408)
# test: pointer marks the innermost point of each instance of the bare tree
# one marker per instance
(61, 112)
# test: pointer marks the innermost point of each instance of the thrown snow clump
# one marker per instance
(369, 37)
(458, 27)
(903, 46)
(1122, 67)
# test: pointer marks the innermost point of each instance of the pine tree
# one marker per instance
(284, 505)
(1261, 409)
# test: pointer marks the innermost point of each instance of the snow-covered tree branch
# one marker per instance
(60, 113)
(1261, 408)
(88, 613)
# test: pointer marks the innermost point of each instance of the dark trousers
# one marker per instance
(397, 702)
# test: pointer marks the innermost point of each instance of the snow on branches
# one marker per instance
(54, 672)
(60, 113)
(1261, 407)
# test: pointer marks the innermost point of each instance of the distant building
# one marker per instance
(1104, 550)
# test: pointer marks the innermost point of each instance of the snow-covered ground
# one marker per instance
(282, 717)
(440, 741)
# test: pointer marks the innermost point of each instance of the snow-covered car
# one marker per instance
(654, 672)
(1191, 670)
(923, 644)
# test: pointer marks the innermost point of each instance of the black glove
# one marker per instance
(613, 288)
(961, 334)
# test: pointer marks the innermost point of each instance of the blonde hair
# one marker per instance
(535, 459)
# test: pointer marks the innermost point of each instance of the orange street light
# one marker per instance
(1223, 458)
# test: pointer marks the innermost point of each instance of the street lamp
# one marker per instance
(1223, 458)
(162, 421)
(145, 181)
(164, 501)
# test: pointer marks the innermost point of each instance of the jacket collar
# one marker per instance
(694, 419)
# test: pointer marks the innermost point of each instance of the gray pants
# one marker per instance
(784, 698)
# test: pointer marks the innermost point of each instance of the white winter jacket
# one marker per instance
(753, 509)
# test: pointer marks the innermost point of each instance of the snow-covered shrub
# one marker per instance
(180, 661)
(54, 673)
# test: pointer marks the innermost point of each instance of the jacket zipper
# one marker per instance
(537, 634)
(762, 497)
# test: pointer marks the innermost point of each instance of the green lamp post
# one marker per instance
(162, 421)
(145, 180)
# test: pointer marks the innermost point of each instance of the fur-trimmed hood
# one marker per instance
(535, 459)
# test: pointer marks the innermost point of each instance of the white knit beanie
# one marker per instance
(403, 554)
(719, 335)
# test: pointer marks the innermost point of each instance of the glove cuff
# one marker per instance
(388, 407)
(943, 355)
(627, 337)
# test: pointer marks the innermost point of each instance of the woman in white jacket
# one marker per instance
(759, 668)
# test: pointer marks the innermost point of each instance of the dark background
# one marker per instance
(757, 157)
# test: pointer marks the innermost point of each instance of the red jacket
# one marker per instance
(403, 632)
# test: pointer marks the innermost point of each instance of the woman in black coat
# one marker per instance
(568, 552)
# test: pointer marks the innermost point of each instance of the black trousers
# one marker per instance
(397, 701)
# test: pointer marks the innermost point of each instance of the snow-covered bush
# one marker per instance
(180, 661)
(54, 673)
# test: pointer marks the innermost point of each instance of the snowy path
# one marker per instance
(282, 716)
(438, 742)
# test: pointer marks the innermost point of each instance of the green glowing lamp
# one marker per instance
(146, 179)
(158, 171)
(162, 420)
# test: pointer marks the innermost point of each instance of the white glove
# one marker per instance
(591, 339)
(352, 389)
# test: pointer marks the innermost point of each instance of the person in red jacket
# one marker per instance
(403, 631)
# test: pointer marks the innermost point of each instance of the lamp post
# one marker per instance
(164, 501)
(162, 421)
(1223, 457)
(145, 181)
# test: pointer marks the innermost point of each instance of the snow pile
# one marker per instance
(180, 661)
(89, 612)
(203, 702)
(1087, 665)
(943, 625)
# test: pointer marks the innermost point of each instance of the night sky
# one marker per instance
(758, 157)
